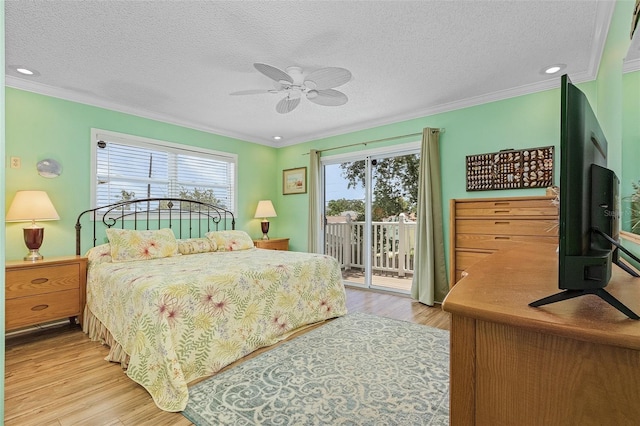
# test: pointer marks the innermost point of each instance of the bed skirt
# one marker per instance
(97, 332)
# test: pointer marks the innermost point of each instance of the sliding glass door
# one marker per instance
(370, 201)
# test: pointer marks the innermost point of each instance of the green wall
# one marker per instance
(618, 104)
(630, 140)
(608, 105)
(40, 127)
(522, 122)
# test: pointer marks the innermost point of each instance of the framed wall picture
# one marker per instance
(294, 181)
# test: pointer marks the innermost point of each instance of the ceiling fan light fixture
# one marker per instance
(317, 86)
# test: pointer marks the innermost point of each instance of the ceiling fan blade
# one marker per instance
(273, 72)
(287, 105)
(251, 92)
(327, 97)
(327, 78)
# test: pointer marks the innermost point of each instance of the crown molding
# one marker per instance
(47, 90)
(69, 95)
(442, 108)
(631, 66)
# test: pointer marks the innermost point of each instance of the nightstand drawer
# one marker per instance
(39, 280)
(24, 311)
(273, 244)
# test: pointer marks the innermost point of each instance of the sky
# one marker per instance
(336, 185)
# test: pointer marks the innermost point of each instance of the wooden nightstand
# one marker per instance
(45, 290)
(273, 244)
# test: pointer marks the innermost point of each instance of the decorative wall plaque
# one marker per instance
(510, 169)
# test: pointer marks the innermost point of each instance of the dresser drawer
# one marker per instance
(507, 226)
(532, 207)
(481, 226)
(29, 310)
(467, 258)
(500, 242)
(44, 279)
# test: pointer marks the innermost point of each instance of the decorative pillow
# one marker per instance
(99, 254)
(128, 245)
(230, 240)
(196, 245)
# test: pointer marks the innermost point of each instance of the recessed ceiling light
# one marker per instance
(277, 138)
(553, 69)
(22, 70)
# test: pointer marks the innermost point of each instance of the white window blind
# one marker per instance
(129, 167)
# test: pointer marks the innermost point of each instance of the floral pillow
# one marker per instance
(230, 240)
(196, 245)
(128, 245)
(99, 254)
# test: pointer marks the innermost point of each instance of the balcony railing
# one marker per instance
(392, 244)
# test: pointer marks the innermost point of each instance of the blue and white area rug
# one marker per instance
(359, 369)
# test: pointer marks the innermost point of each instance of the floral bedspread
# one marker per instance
(184, 317)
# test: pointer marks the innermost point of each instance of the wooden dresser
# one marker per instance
(574, 362)
(46, 290)
(482, 226)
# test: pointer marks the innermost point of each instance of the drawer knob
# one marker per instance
(502, 211)
(39, 281)
(502, 238)
(39, 307)
(501, 223)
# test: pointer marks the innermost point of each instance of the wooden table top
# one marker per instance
(500, 288)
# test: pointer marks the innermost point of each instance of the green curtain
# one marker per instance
(315, 224)
(430, 283)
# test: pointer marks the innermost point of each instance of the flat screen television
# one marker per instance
(589, 206)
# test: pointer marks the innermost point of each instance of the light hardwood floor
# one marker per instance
(59, 377)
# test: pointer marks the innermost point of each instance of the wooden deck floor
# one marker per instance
(355, 277)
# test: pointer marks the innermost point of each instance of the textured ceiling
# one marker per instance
(178, 61)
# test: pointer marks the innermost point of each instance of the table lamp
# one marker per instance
(265, 209)
(31, 206)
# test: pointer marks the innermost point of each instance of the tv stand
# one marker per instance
(602, 293)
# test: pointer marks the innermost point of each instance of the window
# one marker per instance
(129, 167)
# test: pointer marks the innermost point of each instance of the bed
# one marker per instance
(177, 293)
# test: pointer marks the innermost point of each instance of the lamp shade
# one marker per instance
(31, 206)
(265, 209)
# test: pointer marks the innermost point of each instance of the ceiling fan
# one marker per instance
(317, 86)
